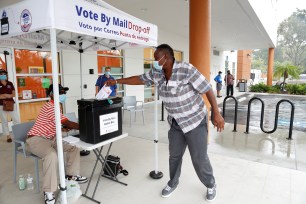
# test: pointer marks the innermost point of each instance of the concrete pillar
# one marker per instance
(199, 36)
(270, 66)
(244, 58)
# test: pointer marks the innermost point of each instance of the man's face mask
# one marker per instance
(3, 77)
(107, 73)
(62, 98)
(156, 64)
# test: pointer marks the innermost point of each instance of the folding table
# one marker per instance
(97, 149)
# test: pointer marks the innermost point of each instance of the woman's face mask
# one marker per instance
(3, 77)
(156, 64)
(62, 98)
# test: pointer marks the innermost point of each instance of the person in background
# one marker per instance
(229, 81)
(218, 80)
(181, 87)
(7, 92)
(41, 141)
(104, 78)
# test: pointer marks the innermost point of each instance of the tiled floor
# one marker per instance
(245, 171)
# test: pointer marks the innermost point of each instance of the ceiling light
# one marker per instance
(72, 42)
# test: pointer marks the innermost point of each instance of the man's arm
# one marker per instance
(97, 90)
(71, 125)
(218, 119)
(133, 80)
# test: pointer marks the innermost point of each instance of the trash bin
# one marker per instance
(99, 120)
(242, 85)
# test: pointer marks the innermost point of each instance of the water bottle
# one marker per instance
(30, 185)
(21, 182)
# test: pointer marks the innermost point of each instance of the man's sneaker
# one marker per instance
(77, 178)
(49, 199)
(211, 193)
(84, 153)
(167, 191)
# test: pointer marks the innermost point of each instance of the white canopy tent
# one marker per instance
(80, 25)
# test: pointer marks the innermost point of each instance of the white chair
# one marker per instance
(130, 104)
(20, 132)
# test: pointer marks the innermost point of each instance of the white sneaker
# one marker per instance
(78, 178)
(49, 198)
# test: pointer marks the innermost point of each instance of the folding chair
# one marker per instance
(20, 135)
(130, 104)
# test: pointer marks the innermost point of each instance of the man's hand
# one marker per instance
(110, 82)
(218, 121)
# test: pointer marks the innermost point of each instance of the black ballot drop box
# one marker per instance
(100, 120)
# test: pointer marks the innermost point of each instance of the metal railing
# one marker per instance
(276, 116)
(236, 108)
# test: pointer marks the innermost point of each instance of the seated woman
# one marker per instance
(42, 142)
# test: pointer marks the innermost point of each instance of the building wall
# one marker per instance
(244, 64)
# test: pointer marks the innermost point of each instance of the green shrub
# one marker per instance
(259, 88)
(296, 89)
(275, 89)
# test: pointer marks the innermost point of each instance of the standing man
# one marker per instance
(229, 81)
(104, 78)
(181, 87)
(218, 80)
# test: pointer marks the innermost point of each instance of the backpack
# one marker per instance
(114, 166)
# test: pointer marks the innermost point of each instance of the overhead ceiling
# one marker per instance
(234, 23)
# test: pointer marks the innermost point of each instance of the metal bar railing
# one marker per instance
(236, 108)
(276, 116)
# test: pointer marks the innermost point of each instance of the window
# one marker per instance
(148, 64)
(33, 76)
(178, 55)
(234, 68)
(114, 60)
(2, 61)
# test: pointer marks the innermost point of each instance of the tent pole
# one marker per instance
(155, 174)
(59, 141)
(81, 74)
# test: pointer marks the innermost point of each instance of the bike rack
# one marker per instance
(276, 116)
(236, 107)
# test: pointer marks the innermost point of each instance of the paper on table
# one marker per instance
(104, 92)
(71, 139)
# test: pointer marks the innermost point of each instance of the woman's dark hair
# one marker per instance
(166, 48)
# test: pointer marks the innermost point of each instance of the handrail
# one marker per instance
(236, 107)
(276, 116)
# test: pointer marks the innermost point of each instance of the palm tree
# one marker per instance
(285, 70)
